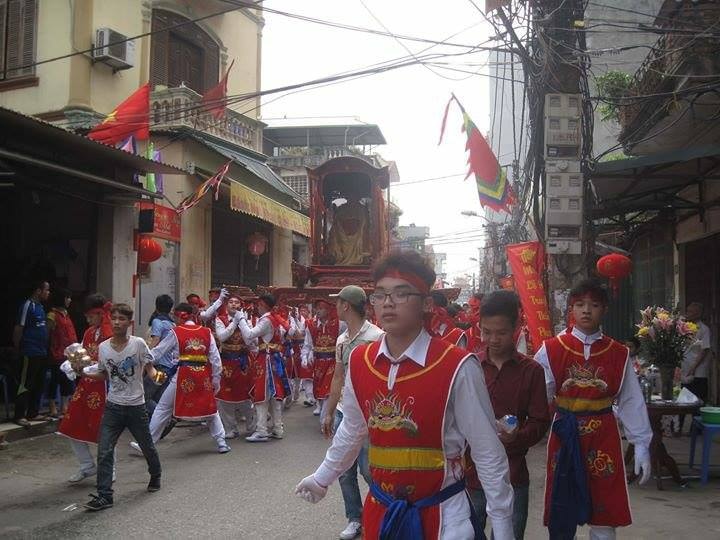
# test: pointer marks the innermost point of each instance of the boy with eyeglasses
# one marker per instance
(392, 395)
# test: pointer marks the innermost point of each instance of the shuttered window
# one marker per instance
(18, 32)
(185, 54)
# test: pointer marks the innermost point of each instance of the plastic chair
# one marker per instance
(6, 395)
(708, 431)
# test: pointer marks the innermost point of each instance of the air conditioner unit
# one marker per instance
(113, 48)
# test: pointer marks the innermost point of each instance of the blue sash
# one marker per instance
(241, 358)
(276, 365)
(402, 517)
(570, 504)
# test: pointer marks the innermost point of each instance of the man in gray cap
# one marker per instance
(351, 303)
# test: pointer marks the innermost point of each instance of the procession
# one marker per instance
(198, 245)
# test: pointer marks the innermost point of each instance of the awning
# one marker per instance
(256, 167)
(654, 182)
(244, 199)
(358, 134)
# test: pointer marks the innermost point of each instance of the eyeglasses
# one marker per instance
(396, 297)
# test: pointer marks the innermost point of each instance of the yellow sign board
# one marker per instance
(244, 199)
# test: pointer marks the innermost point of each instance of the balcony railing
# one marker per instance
(682, 56)
(172, 108)
(289, 161)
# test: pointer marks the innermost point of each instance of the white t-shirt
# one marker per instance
(125, 370)
(693, 352)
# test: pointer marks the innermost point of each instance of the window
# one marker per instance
(297, 183)
(18, 29)
(186, 54)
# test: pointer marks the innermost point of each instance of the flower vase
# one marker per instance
(667, 375)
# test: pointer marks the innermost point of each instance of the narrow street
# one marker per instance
(249, 493)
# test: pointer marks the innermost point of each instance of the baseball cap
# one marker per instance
(353, 294)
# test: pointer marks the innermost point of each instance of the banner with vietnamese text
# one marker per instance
(244, 199)
(524, 262)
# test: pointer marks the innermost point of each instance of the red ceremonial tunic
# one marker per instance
(453, 335)
(324, 338)
(270, 379)
(405, 427)
(87, 404)
(237, 373)
(62, 335)
(584, 387)
(194, 395)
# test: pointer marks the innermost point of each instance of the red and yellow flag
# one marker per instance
(130, 118)
(492, 184)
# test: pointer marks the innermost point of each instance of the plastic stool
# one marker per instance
(708, 431)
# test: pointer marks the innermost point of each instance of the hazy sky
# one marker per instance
(407, 103)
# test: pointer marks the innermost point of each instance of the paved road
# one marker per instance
(249, 493)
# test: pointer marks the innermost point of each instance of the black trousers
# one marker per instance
(31, 380)
(59, 379)
(115, 419)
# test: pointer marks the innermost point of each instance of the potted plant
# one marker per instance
(664, 336)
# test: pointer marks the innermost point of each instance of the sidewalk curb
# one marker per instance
(14, 433)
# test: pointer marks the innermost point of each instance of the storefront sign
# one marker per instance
(166, 222)
(529, 286)
(244, 199)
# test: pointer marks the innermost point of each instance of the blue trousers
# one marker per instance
(349, 480)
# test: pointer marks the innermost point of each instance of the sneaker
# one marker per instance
(98, 502)
(353, 529)
(277, 434)
(223, 448)
(81, 475)
(257, 437)
(154, 484)
(287, 402)
(309, 402)
(316, 410)
(232, 435)
(136, 447)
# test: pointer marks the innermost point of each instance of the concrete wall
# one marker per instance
(280, 257)
(116, 255)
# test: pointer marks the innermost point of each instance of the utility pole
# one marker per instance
(554, 67)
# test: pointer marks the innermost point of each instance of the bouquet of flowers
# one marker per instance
(664, 336)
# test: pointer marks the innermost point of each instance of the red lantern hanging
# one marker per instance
(615, 267)
(257, 244)
(149, 250)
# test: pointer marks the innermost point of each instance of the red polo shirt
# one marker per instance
(518, 388)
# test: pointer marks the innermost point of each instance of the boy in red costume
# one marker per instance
(81, 423)
(585, 372)
(319, 351)
(393, 393)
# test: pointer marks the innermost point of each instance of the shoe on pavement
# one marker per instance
(81, 475)
(232, 435)
(22, 422)
(309, 402)
(135, 446)
(257, 437)
(277, 434)
(154, 484)
(98, 502)
(353, 529)
(316, 410)
(223, 448)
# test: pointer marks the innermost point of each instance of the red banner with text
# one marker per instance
(525, 261)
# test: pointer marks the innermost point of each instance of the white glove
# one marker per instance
(310, 490)
(307, 361)
(642, 462)
(68, 370)
(91, 370)
(216, 386)
(224, 293)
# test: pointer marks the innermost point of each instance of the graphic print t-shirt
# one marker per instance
(125, 370)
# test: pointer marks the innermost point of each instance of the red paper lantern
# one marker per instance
(149, 250)
(615, 267)
(257, 244)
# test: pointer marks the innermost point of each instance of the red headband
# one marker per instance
(184, 316)
(413, 279)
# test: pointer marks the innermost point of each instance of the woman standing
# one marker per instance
(62, 333)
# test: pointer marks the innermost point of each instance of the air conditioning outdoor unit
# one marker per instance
(111, 48)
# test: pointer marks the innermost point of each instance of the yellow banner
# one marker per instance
(244, 199)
